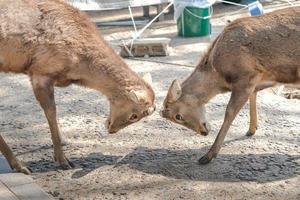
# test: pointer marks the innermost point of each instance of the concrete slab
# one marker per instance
(15, 179)
(17, 186)
(30, 191)
(21, 187)
(6, 194)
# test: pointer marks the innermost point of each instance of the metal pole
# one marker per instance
(149, 24)
(132, 18)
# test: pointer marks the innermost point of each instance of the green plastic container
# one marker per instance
(194, 22)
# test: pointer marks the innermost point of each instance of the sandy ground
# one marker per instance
(154, 159)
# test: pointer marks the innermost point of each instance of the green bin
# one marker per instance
(194, 22)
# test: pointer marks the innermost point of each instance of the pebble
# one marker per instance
(55, 193)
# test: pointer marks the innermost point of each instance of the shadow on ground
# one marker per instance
(226, 168)
(182, 164)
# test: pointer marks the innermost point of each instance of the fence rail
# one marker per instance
(113, 4)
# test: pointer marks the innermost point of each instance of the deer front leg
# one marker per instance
(44, 93)
(11, 158)
(239, 97)
(253, 114)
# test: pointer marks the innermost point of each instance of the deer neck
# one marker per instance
(204, 85)
(109, 74)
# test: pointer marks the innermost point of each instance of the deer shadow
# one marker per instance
(182, 164)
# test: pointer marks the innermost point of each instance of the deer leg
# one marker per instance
(264, 85)
(239, 96)
(44, 93)
(253, 109)
(253, 114)
(11, 158)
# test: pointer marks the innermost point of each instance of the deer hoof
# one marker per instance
(25, 170)
(250, 133)
(64, 163)
(20, 168)
(64, 142)
(204, 160)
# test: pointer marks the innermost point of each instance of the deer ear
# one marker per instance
(137, 96)
(147, 78)
(174, 92)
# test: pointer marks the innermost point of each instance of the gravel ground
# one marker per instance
(154, 159)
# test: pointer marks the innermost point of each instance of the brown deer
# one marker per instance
(251, 54)
(57, 45)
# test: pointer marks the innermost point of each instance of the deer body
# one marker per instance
(57, 45)
(249, 55)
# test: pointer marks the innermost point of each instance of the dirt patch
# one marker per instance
(154, 159)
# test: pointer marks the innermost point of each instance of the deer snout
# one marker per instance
(108, 126)
(163, 114)
(151, 110)
(204, 128)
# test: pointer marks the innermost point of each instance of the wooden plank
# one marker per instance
(6, 194)
(30, 191)
(4, 166)
(152, 41)
(147, 47)
(15, 179)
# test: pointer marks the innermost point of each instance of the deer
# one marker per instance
(57, 45)
(250, 54)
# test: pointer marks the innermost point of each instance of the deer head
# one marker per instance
(184, 109)
(132, 108)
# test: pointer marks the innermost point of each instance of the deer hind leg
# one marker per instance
(11, 158)
(253, 115)
(44, 93)
(239, 96)
(253, 109)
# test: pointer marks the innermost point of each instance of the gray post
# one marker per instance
(146, 11)
(159, 9)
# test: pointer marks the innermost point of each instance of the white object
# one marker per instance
(180, 5)
(255, 9)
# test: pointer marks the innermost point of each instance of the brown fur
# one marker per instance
(57, 45)
(249, 55)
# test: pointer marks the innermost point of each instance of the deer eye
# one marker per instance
(178, 117)
(133, 117)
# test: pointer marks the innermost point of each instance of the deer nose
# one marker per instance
(109, 127)
(207, 126)
(150, 110)
(112, 131)
(204, 133)
(162, 113)
(204, 129)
